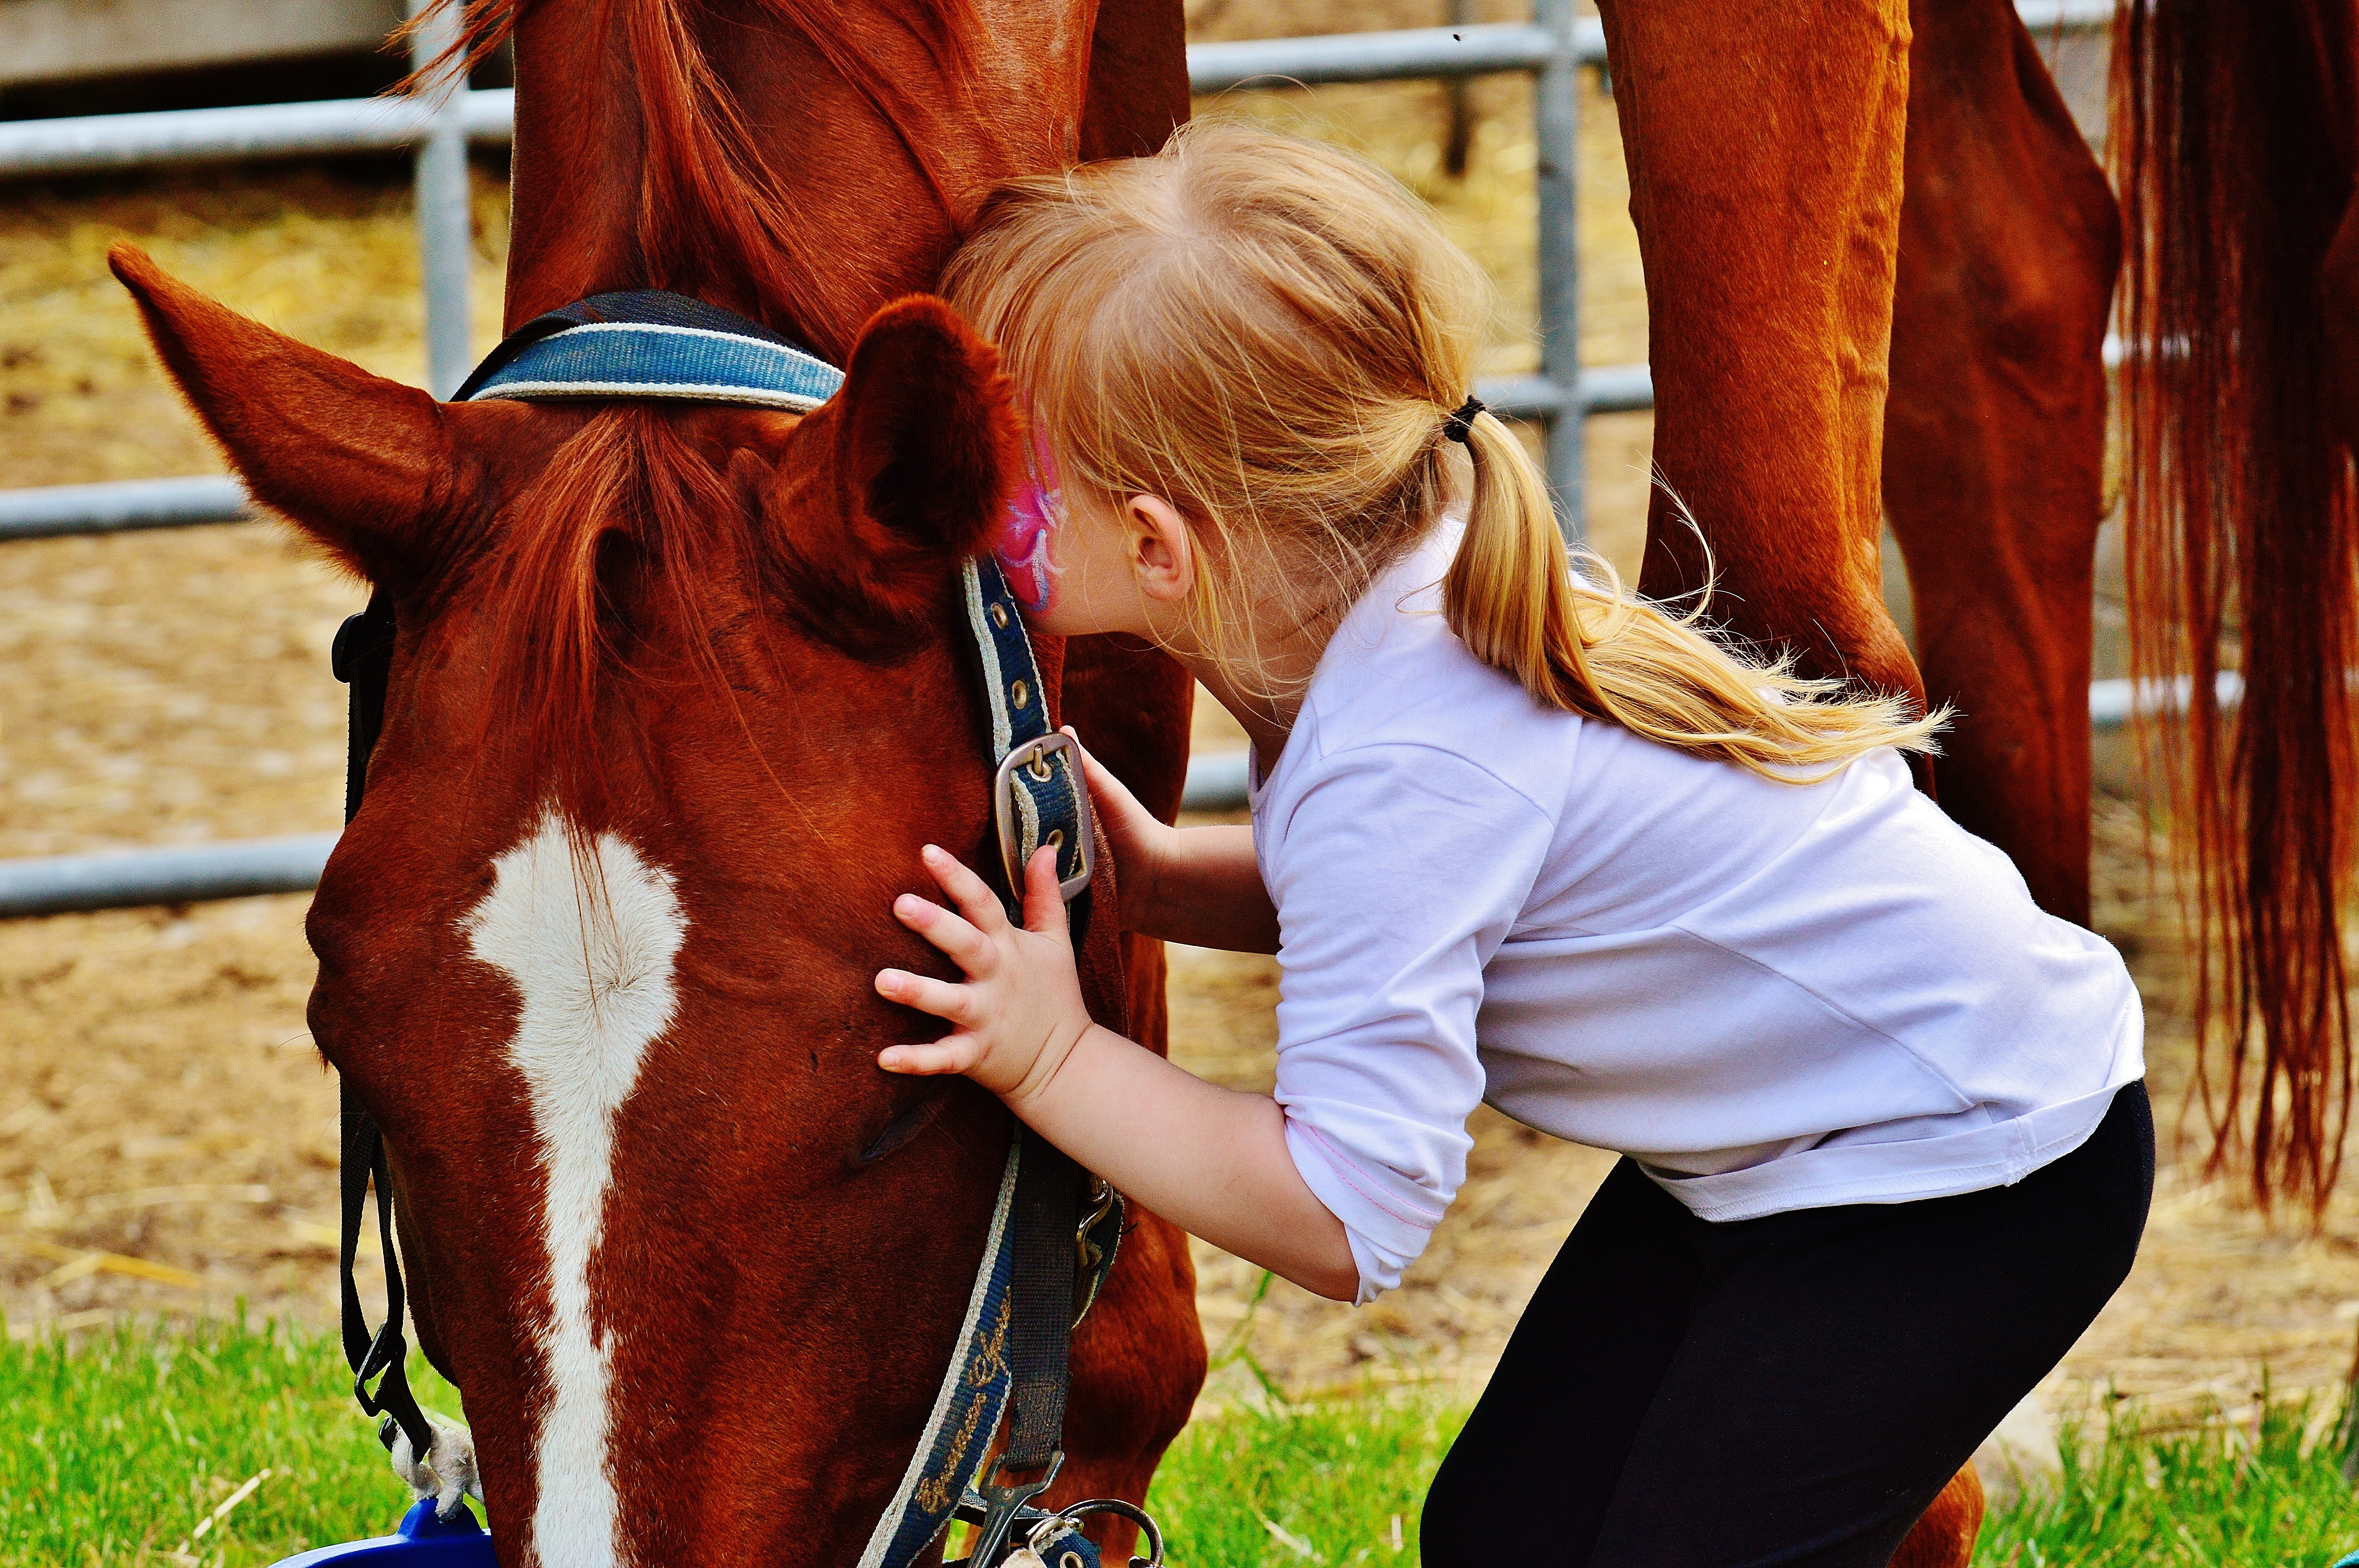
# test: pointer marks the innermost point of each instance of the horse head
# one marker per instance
(675, 700)
(674, 703)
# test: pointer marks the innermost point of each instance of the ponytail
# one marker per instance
(1595, 648)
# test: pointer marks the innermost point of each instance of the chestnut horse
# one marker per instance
(676, 697)
(1893, 306)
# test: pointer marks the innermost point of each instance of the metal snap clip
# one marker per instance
(1070, 1520)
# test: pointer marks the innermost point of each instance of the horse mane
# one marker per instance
(713, 217)
(2232, 145)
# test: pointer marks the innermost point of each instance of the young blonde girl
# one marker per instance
(1521, 836)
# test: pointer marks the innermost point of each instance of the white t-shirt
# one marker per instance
(1773, 996)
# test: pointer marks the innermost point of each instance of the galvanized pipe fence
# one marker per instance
(439, 125)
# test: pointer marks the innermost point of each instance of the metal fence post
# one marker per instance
(446, 227)
(1555, 108)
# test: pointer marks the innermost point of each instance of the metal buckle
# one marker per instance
(1036, 757)
(1101, 1201)
(1098, 1203)
(1001, 1505)
(387, 1349)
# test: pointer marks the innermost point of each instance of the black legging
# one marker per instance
(1792, 1390)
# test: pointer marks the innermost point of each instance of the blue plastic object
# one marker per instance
(422, 1542)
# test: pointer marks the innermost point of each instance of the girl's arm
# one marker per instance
(1213, 1160)
(1197, 885)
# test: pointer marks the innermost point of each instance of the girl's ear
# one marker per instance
(1163, 552)
(883, 490)
(367, 466)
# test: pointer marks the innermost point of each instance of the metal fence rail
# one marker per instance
(63, 884)
(121, 507)
(1550, 46)
(1558, 396)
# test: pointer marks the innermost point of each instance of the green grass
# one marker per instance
(1301, 1485)
(2203, 1493)
(129, 1440)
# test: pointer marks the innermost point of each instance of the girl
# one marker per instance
(1520, 836)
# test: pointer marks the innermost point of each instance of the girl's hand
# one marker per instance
(1020, 1011)
(1142, 846)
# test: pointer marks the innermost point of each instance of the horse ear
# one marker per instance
(361, 464)
(905, 472)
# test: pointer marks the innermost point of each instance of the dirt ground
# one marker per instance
(167, 1137)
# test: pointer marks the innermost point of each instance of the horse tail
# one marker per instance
(2232, 145)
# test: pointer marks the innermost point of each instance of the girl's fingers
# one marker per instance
(1044, 903)
(951, 1003)
(1104, 785)
(970, 892)
(952, 1053)
(965, 947)
(1128, 825)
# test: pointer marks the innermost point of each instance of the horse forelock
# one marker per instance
(631, 537)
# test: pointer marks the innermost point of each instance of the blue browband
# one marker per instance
(644, 344)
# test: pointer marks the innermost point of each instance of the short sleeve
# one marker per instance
(1398, 870)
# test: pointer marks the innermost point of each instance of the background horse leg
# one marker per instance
(1944, 1536)
(1995, 437)
(1138, 1360)
(1765, 139)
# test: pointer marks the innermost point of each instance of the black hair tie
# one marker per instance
(1460, 425)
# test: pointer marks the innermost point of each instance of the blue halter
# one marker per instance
(643, 345)
(1028, 1290)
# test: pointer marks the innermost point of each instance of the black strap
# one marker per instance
(363, 659)
(1039, 1332)
(652, 306)
(387, 1351)
(1046, 1207)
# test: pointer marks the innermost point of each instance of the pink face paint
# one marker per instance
(1023, 544)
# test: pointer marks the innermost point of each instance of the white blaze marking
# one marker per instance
(591, 960)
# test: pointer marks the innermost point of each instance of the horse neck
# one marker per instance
(845, 189)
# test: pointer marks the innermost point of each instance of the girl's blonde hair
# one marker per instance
(1271, 334)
